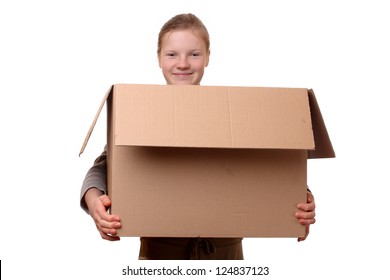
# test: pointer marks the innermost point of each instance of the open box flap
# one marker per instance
(323, 145)
(95, 120)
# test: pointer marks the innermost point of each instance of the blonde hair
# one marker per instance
(183, 22)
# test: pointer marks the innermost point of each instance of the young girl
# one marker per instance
(183, 54)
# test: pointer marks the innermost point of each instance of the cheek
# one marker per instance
(165, 65)
(200, 66)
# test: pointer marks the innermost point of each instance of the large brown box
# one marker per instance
(210, 161)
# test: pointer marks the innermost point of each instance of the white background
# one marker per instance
(58, 58)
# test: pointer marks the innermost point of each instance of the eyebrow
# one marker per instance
(194, 50)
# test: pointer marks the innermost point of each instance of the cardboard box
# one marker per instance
(210, 161)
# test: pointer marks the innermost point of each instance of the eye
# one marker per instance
(195, 54)
(170, 54)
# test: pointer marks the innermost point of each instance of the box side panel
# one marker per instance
(145, 115)
(272, 117)
(189, 192)
(110, 143)
(201, 116)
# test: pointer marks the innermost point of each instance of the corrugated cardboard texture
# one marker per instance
(225, 117)
(324, 148)
(189, 192)
(187, 161)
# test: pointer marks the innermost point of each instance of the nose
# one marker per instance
(183, 62)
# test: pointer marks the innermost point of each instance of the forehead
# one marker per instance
(186, 38)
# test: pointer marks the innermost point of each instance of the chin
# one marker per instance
(183, 83)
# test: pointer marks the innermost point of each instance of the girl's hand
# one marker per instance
(306, 215)
(106, 224)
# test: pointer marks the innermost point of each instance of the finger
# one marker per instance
(110, 231)
(305, 215)
(107, 230)
(109, 237)
(306, 206)
(106, 201)
(302, 238)
(108, 217)
(306, 234)
(100, 212)
(112, 238)
(105, 224)
(108, 226)
(310, 197)
(309, 205)
(307, 221)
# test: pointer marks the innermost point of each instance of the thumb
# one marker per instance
(105, 200)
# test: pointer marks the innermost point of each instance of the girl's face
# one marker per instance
(183, 57)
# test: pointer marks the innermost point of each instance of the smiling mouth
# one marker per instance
(182, 74)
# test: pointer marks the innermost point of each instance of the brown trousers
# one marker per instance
(156, 248)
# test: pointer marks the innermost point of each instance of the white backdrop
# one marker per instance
(57, 59)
